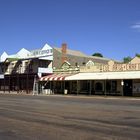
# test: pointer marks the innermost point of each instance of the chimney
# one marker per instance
(64, 52)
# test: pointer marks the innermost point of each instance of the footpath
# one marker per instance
(72, 95)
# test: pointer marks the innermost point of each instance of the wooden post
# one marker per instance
(77, 87)
(27, 83)
(17, 82)
(9, 83)
(105, 87)
(64, 87)
(90, 87)
(4, 83)
(53, 86)
(70, 84)
(50, 86)
(61, 87)
(122, 84)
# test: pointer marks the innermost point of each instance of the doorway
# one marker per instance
(127, 88)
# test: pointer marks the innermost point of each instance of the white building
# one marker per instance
(21, 68)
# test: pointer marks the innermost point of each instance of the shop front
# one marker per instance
(104, 83)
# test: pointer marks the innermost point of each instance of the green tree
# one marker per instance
(97, 54)
(127, 59)
(137, 54)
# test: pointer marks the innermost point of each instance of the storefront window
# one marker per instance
(111, 86)
(108, 86)
(84, 85)
(99, 86)
(114, 86)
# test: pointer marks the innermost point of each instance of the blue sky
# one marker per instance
(111, 27)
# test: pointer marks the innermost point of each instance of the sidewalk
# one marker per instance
(73, 96)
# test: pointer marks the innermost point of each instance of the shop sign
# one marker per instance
(120, 67)
(37, 53)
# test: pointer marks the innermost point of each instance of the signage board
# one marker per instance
(120, 67)
(39, 53)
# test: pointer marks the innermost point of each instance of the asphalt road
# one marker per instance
(26, 117)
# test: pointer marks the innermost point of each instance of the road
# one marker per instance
(26, 117)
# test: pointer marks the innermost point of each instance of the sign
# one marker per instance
(120, 67)
(37, 53)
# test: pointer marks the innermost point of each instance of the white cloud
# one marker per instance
(136, 26)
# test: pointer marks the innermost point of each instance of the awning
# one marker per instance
(93, 76)
(55, 77)
(105, 76)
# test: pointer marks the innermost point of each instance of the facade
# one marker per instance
(113, 78)
(21, 69)
(61, 70)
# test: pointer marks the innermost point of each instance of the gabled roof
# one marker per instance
(23, 53)
(3, 57)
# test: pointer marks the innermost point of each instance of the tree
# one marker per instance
(127, 59)
(97, 54)
(137, 54)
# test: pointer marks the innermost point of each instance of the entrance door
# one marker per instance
(127, 89)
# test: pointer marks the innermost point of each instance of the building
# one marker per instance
(61, 70)
(75, 58)
(21, 69)
(113, 78)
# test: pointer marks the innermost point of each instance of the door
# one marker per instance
(127, 88)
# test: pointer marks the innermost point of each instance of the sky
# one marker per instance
(110, 27)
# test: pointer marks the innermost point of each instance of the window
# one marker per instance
(108, 86)
(114, 85)
(111, 86)
(84, 63)
(84, 85)
(99, 86)
(44, 64)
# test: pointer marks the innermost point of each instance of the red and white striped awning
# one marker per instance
(55, 77)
